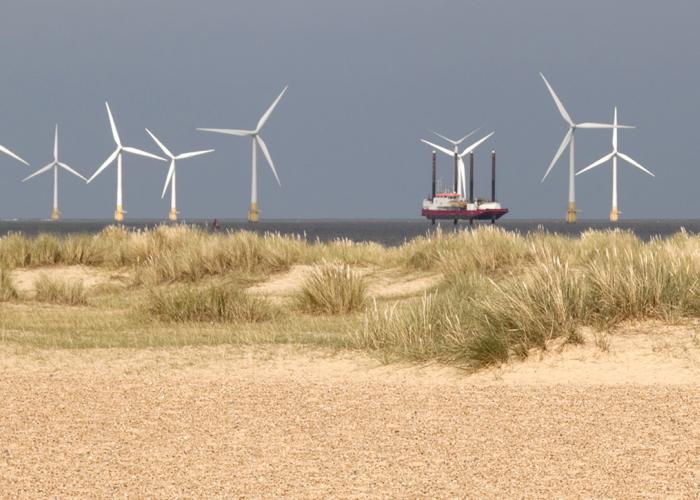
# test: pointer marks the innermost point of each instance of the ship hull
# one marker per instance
(463, 214)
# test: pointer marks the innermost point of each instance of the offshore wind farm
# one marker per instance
(454, 204)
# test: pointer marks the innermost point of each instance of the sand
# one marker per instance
(288, 422)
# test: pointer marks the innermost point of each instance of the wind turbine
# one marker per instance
(614, 213)
(257, 141)
(461, 177)
(55, 164)
(170, 179)
(117, 154)
(461, 188)
(569, 141)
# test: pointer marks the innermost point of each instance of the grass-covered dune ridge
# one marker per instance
(499, 294)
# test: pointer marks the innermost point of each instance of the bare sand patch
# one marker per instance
(24, 278)
(391, 283)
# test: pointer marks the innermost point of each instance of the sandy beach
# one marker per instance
(288, 422)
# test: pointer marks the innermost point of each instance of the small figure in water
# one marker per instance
(215, 225)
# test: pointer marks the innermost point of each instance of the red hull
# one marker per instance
(483, 214)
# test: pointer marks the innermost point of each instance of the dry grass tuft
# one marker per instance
(7, 287)
(56, 291)
(216, 303)
(332, 289)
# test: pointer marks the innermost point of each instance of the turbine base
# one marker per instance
(119, 213)
(253, 213)
(571, 213)
(614, 215)
(173, 214)
(55, 214)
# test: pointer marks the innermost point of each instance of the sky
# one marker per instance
(367, 79)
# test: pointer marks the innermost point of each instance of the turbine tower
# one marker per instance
(55, 164)
(461, 187)
(170, 179)
(569, 141)
(614, 212)
(257, 141)
(117, 154)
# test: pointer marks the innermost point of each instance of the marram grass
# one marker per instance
(214, 303)
(7, 287)
(332, 289)
(503, 294)
(57, 291)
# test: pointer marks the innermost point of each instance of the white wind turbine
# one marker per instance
(257, 141)
(119, 212)
(461, 187)
(569, 141)
(55, 164)
(614, 212)
(461, 177)
(171, 178)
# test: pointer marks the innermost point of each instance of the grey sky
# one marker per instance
(366, 79)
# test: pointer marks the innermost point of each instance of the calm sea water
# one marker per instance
(388, 232)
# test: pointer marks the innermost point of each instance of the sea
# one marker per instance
(389, 232)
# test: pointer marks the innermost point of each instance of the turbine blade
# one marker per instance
(160, 144)
(106, 163)
(439, 148)
(40, 171)
(597, 163)
(169, 177)
(193, 154)
(443, 137)
(263, 147)
(565, 142)
(475, 145)
(115, 134)
(266, 115)
(3, 149)
(560, 106)
(69, 169)
(55, 144)
(228, 131)
(140, 152)
(614, 140)
(467, 136)
(634, 163)
(594, 125)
